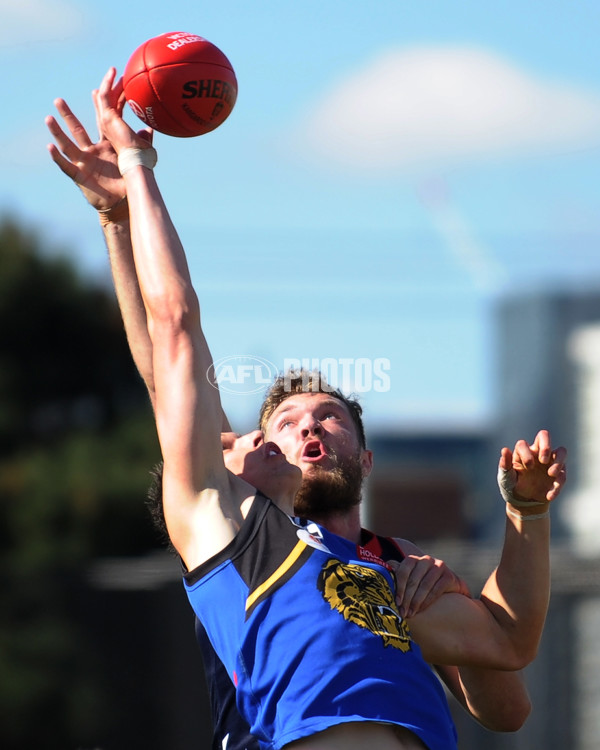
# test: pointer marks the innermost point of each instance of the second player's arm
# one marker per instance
(496, 699)
(503, 628)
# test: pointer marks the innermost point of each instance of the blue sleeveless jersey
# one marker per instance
(306, 625)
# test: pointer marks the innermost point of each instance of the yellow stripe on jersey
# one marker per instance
(281, 570)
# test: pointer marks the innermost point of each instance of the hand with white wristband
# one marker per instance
(530, 477)
(133, 149)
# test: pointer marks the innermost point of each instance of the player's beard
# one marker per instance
(327, 491)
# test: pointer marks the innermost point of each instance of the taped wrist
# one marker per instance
(528, 517)
(118, 212)
(507, 481)
(137, 157)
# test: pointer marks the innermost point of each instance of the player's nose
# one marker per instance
(310, 426)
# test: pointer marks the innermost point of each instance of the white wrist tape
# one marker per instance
(137, 157)
(534, 517)
(507, 481)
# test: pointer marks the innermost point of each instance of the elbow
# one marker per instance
(511, 716)
(507, 708)
(516, 662)
(176, 313)
(518, 656)
(515, 718)
(518, 717)
(527, 657)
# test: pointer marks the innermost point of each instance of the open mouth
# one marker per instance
(313, 451)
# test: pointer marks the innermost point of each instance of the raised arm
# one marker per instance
(530, 477)
(201, 499)
(93, 168)
(502, 629)
(497, 699)
(518, 591)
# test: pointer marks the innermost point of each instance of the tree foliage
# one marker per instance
(77, 442)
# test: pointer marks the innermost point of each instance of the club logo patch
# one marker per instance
(362, 596)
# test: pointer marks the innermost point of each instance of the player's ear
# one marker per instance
(366, 462)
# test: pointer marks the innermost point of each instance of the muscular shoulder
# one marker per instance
(204, 524)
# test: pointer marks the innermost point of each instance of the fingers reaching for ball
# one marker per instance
(108, 99)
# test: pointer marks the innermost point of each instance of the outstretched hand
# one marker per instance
(536, 473)
(92, 166)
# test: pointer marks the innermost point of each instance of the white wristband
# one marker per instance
(533, 517)
(137, 157)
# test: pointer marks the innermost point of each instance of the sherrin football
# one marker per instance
(180, 84)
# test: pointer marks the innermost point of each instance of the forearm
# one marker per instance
(172, 307)
(120, 252)
(517, 593)
(117, 235)
(498, 700)
(158, 254)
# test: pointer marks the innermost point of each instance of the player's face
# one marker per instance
(316, 431)
(261, 464)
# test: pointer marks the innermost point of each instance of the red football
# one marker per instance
(180, 84)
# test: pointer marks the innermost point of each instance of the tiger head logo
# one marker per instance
(362, 595)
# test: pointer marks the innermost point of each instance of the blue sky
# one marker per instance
(390, 171)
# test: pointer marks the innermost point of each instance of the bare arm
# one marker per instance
(93, 167)
(201, 500)
(120, 252)
(497, 699)
(422, 579)
(518, 591)
(502, 630)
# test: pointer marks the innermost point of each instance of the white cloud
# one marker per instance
(27, 21)
(430, 106)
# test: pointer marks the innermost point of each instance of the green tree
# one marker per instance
(77, 442)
